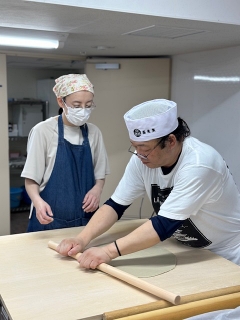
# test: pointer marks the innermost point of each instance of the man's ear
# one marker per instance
(172, 140)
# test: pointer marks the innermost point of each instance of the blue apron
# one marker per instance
(72, 177)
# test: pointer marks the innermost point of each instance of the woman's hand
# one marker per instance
(92, 198)
(43, 211)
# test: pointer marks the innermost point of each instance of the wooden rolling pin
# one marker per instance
(161, 304)
(134, 281)
(230, 301)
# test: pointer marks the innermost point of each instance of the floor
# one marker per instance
(19, 222)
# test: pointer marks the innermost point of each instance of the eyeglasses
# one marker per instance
(141, 155)
(90, 106)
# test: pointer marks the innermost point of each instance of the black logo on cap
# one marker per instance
(137, 132)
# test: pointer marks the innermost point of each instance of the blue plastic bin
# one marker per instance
(15, 197)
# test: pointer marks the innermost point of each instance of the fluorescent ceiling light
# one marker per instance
(28, 42)
(217, 79)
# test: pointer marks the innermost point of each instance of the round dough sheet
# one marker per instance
(146, 263)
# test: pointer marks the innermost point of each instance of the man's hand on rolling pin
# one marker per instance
(94, 256)
(43, 211)
(70, 246)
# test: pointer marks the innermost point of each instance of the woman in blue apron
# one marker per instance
(71, 194)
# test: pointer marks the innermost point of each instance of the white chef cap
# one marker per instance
(151, 119)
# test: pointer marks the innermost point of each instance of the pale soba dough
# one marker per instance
(146, 263)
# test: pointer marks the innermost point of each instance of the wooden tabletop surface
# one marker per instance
(38, 283)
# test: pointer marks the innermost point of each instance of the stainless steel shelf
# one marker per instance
(16, 138)
(21, 208)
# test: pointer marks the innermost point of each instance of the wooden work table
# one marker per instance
(37, 283)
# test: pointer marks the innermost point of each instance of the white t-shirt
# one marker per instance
(200, 188)
(42, 148)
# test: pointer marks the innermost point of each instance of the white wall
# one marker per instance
(212, 109)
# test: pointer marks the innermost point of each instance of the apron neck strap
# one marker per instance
(84, 129)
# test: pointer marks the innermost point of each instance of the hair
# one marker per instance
(181, 132)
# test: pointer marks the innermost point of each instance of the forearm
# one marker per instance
(101, 221)
(100, 184)
(141, 238)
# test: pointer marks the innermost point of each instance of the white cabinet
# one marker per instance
(45, 92)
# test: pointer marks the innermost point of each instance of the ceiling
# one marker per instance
(87, 34)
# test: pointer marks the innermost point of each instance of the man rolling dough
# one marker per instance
(187, 181)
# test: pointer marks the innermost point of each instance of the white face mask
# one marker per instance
(77, 116)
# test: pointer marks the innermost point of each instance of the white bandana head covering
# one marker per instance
(71, 83)
(151, 120)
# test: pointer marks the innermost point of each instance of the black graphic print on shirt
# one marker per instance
(159, 196)
(188, 234)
